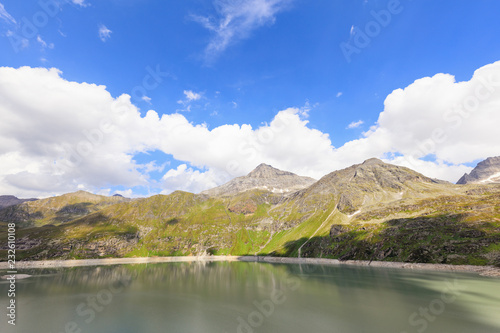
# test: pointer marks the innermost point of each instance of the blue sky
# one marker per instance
(221, 63)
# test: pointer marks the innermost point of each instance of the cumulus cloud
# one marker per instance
(454, 121)
(186, 179)
(57, 136)
(436, 117)
(5, 15)
(104, 33)
(236, 19)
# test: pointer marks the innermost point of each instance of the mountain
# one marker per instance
(369, 211)
(56, 210)
(486, 172)
(371, 182)
(10, 200)
(264, 177)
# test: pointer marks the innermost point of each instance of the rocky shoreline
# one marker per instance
(481, 270)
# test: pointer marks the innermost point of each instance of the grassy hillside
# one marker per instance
(460, 229)
(372, 211)
(57, 210)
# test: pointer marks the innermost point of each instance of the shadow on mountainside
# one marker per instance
(447, 239)
(70, 212)
(20, 215)
(94, 236)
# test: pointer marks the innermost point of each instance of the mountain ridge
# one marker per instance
(58, 209)
(263, 177)
(370, 182)
(487, 171)
(10, 200)
(369, 211)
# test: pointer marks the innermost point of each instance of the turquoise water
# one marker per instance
(251, 297)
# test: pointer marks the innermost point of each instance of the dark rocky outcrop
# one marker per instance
(10, 200)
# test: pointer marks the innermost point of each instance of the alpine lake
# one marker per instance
(246, 297)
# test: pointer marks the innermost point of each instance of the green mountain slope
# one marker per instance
(57, 210)
(370, 211)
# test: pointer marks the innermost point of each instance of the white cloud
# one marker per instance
(191, 95)
(104, 191)
(339, 94)
(146, 99)
(186, 103)
(104, 33)
(186, 179)
(127, 193)
(56, 135)
(236, 19)
(43, 43)
(80, 3)
(455, 121)
(304, 111)
(355, 124)
(53, 134)
(5, 15)
(233, 150)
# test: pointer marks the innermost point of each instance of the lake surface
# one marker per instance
(251, 297)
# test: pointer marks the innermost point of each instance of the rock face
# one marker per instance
(370, 182)
(486, 172)
(10, 200)
(264, 177)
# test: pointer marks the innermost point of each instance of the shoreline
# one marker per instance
(480, 270)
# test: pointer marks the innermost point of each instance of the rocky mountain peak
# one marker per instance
(374, 172)
(373, 161)
(486, 172)
(371, 182)
(267, 171)
(263, 177)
